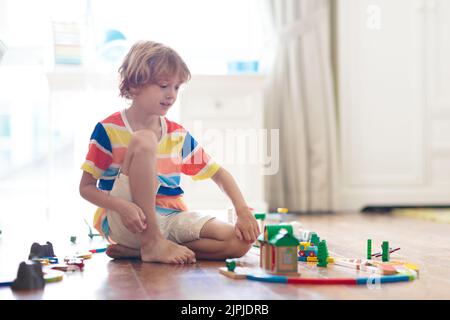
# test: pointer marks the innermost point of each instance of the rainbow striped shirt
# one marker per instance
(178, 152)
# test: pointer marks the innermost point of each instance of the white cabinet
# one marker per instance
(224, 113)
(394, 99)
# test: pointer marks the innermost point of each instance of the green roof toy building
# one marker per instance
(278, 250)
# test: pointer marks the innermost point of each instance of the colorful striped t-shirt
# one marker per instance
(177, 152)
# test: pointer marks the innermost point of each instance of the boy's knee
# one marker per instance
(144, 141)
(238, 248)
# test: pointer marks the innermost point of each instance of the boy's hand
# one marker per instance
(133, 218)
(246, 226)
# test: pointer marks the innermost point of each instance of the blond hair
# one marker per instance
(148, 62)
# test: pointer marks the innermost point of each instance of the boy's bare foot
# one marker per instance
(166, 251)
(117, 251)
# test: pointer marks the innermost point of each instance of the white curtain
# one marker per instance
(300, 103)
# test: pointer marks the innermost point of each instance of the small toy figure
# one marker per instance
(29, 276)
(41, 251)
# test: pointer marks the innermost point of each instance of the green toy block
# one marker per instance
(231, 264)
(314, 239)
(260, 216)
(322, 254)
(369, 249)
(385, 253)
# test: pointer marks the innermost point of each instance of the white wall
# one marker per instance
(386, 82)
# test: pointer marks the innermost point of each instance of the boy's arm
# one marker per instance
(246, 225)
(132, 216)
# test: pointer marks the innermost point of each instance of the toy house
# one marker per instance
(278, 249)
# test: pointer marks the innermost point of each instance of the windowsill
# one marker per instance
(82, 78)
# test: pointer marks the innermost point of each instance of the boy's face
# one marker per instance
(159, 97)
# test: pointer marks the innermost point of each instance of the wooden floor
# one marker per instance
(424, 243)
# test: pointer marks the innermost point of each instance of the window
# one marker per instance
(207, 33)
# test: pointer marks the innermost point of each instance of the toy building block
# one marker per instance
(314, 239)
(41, 251)
(304, 245)
(312, 251)
(29, 276)
(231, 264)
(311, 259)
(385, 248)
(322, 254)
(260, 216)
(369, 249)
(282, 210)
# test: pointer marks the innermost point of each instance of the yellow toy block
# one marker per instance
(305, 245)
(311, 259)
(330, 260)
(282, 210)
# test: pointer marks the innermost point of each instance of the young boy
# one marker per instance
(133, 166)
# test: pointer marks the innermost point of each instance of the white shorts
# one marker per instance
(180, 226)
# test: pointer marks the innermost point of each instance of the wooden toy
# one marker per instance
(251, 274)
(284, 253)
(98, 250)
(379, 254)
(65, 267)
(384, 268)
(82, 255)
(238, 273)
(53, 276)
(275, 236)
(278, 249)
